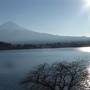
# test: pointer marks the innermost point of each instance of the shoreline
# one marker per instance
(41, 48)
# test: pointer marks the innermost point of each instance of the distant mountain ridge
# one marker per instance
(13, 33)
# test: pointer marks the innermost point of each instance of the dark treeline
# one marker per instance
(9, 46)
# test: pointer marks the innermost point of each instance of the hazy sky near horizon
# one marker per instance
(62, 17)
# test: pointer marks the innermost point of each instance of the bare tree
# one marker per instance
(58, 76)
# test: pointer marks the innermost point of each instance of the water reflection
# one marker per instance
(15, 64)
(84, 49)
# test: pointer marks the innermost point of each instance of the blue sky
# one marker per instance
(62, 17)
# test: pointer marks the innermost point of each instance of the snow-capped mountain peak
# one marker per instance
(13, 33)
(10, 25)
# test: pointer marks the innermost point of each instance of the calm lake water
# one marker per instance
(15, 64)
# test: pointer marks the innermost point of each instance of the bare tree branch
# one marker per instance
(58, 76)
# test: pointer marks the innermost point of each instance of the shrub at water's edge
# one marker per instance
(58, 76)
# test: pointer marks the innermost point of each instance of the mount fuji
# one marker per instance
(13, 33)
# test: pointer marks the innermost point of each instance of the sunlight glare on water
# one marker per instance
(84, 49)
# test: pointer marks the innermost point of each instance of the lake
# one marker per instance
(15, 64)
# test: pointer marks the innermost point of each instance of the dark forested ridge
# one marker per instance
(9, 46)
